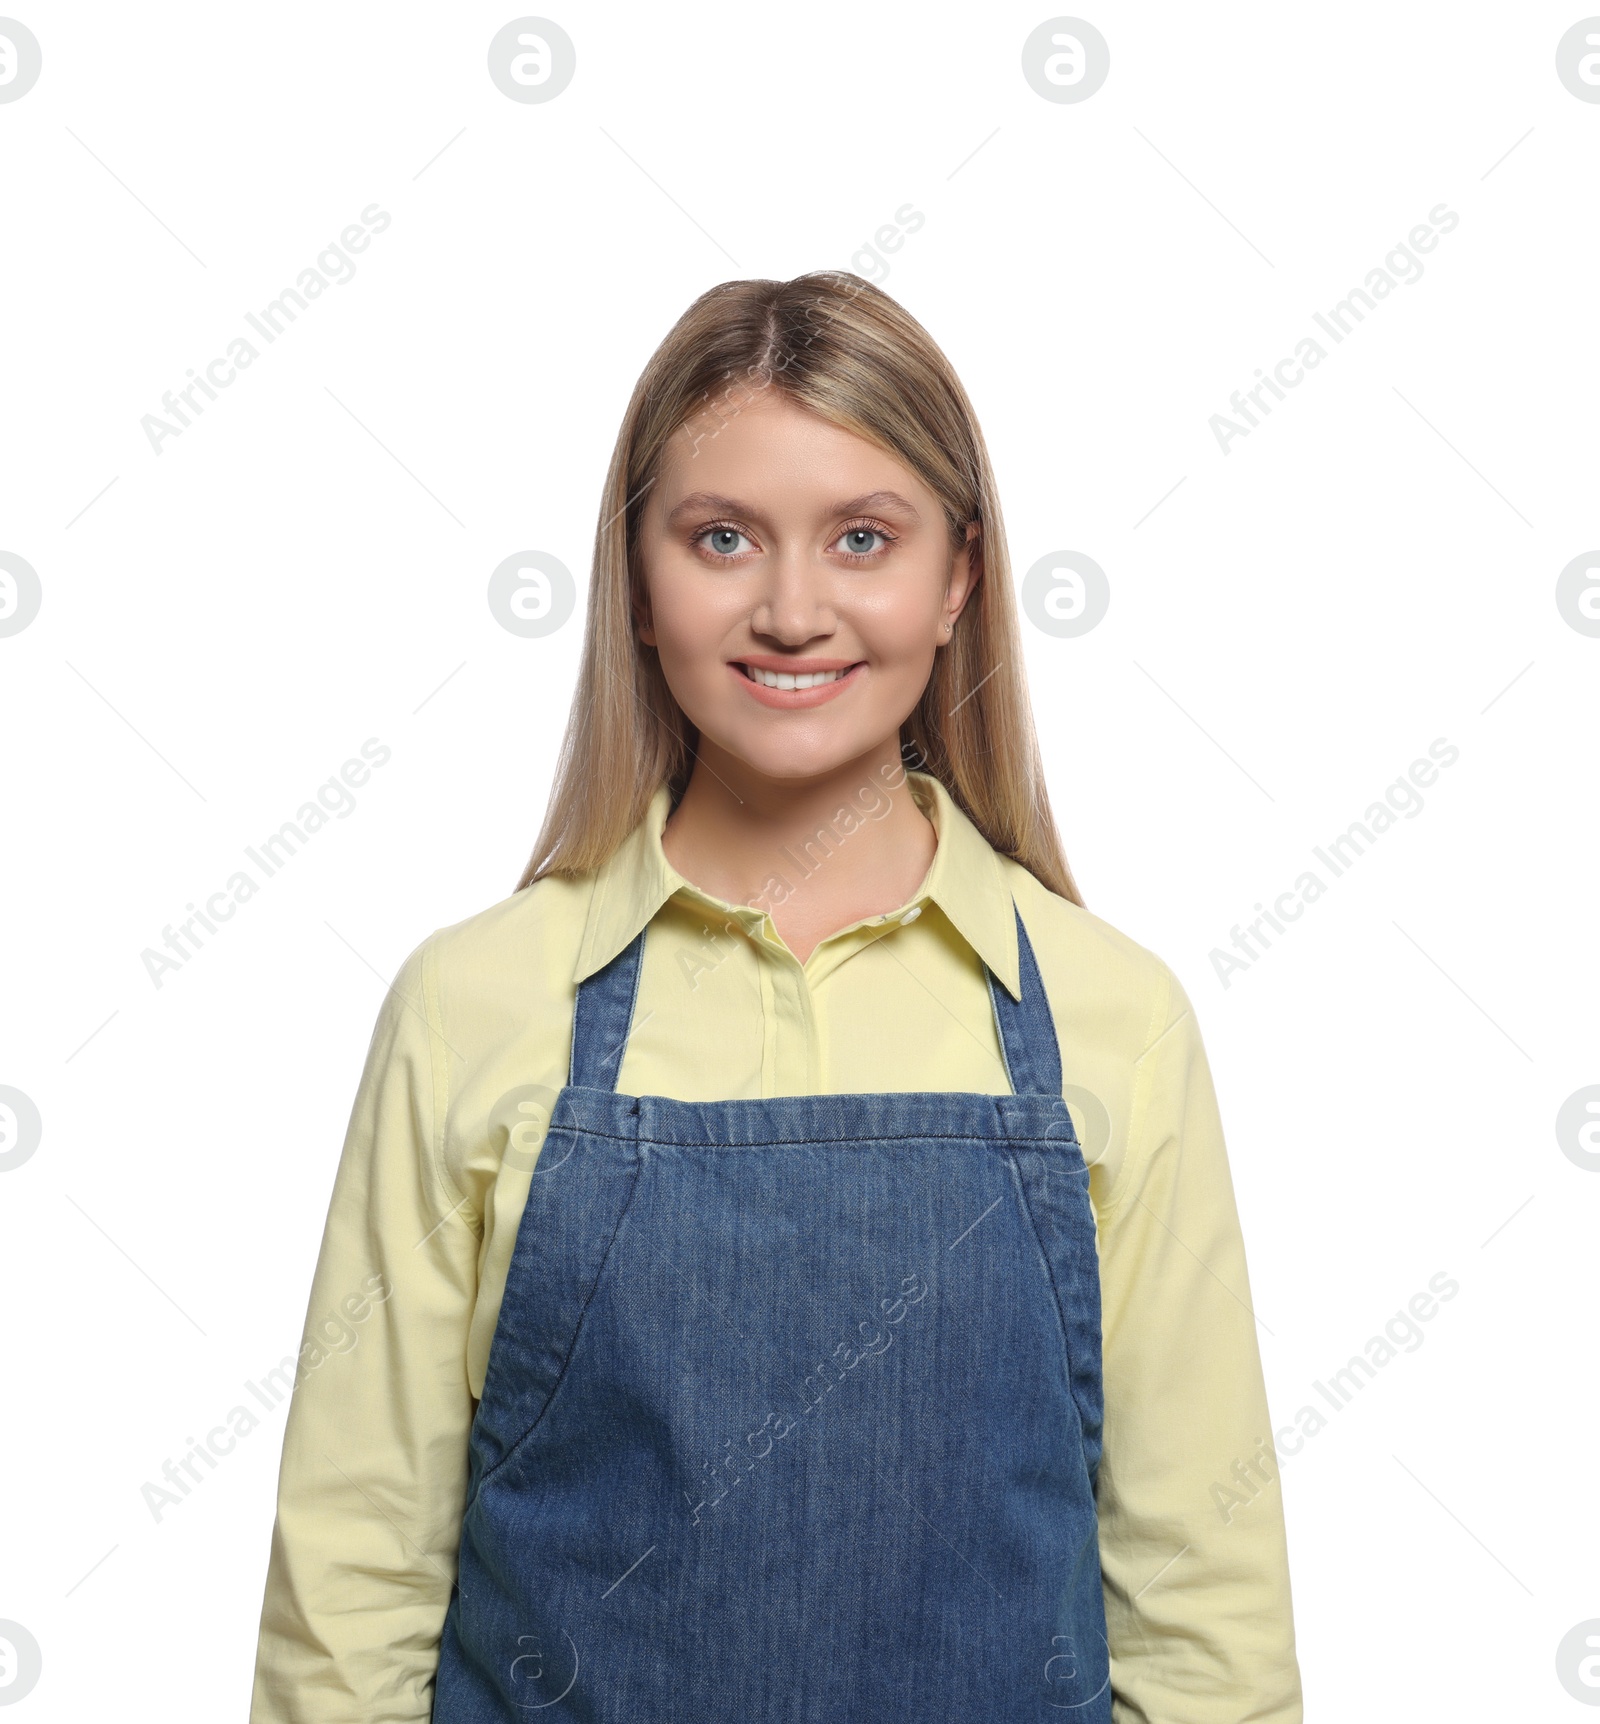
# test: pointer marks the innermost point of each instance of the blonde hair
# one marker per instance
(843, 349)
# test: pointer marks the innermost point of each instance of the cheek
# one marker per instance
(900, 622)
(900, 634)
(678, 608)
(693, 619)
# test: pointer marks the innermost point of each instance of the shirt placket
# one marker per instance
(791, 1053)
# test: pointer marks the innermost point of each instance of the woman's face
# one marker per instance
(778, 544)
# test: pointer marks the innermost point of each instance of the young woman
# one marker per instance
(783, 1263)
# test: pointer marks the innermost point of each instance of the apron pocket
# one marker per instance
(578, 1198)
(1052, 1184)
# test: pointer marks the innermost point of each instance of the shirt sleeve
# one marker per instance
(1193, 1550)
(373, 1472)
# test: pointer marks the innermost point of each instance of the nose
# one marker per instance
(793, 600)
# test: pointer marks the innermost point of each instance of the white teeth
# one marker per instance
(782, 679)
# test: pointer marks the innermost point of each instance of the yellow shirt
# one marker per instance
(473, 1041)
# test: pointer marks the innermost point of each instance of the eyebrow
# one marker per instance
(698, 501)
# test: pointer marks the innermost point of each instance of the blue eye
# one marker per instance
(851, 540)
(718, 537)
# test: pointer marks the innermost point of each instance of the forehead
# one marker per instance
(761, 448)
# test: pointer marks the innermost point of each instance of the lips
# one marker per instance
(796, 683)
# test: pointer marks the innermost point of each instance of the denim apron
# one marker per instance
(792, 1413)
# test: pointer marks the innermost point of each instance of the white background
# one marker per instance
(1373, 567)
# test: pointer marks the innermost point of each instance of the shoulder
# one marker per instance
(507, 959)
(1099, 980)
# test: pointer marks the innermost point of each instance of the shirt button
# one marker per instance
(911, 914)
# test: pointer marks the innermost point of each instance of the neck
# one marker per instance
(815, 853)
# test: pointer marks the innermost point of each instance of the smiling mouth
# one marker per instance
(785, 679)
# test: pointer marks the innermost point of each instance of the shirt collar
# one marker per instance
(966, 880)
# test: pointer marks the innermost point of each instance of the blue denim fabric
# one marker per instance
(793, 1409)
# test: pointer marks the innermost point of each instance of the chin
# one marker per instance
(793, 758)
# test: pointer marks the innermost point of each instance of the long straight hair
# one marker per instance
(843, 349)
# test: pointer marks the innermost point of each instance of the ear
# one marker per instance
(966, 570)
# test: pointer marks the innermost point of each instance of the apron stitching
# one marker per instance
(803, 1142)
(999, 1029)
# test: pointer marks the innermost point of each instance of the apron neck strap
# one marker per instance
(603, 1016)
(1027, 1029)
